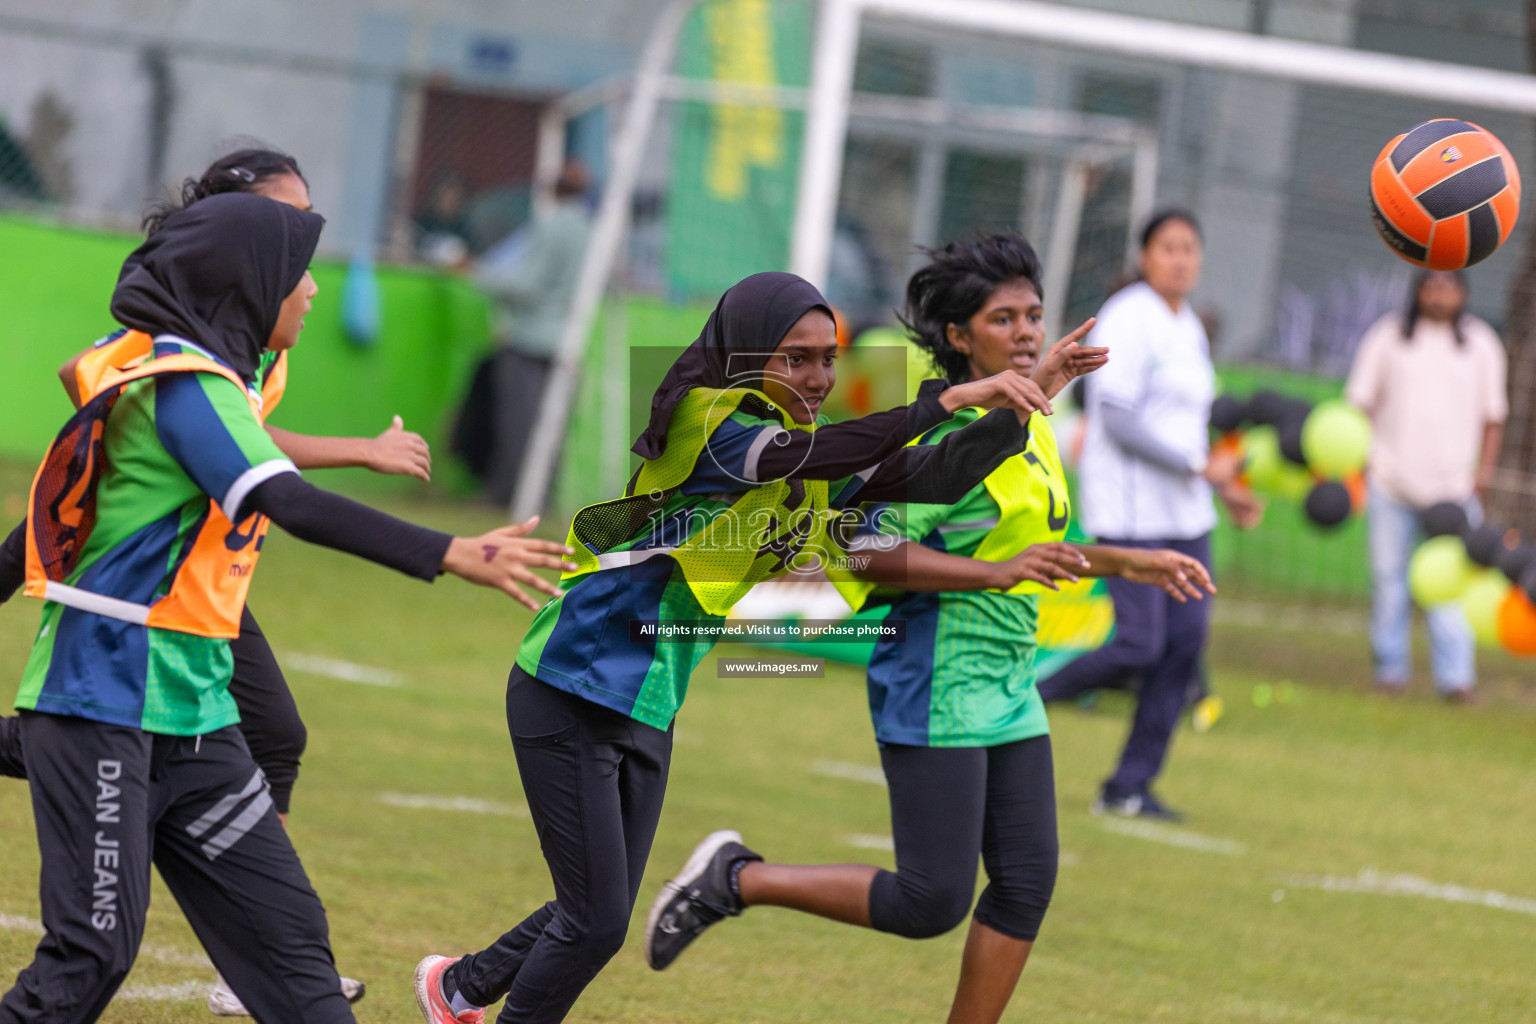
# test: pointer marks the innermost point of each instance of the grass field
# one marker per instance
(1229, 919)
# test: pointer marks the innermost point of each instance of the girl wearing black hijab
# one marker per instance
(142, 534)
(269, 716)
(739, 483)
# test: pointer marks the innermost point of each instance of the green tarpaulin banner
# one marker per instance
(734, 167)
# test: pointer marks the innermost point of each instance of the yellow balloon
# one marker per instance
(1261, 449)
(1480, 602)
(1336, 439)
(1439, 571)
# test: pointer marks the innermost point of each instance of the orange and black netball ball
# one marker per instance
(1445, 194)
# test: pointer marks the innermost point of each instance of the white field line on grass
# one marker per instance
(1170, 836)
(177, 992)
(335, 668)
(161, 954)
(176, 957)
(13, 923)
(849, 770)
(1369, 880)
(466, 804)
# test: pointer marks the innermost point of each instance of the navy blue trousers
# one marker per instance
(1156, 638)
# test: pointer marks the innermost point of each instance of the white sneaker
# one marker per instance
(222, 1001)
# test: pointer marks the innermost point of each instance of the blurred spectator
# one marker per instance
(442, 230)
(1146, 479)
(1432, 383)
(530, 277)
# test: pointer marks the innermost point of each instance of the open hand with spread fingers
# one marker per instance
(505, 558)
(1181, 576)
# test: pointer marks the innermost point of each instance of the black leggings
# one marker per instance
(269, 719)
(594, 780)
(948, 804)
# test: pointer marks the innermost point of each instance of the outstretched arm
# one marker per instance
(943, 473)
(917, 567)
(1180, 575)
(502, 559)
(396, 451)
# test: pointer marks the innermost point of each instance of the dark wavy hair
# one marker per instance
(244, 170)
(1411, 318)
(955, 284)
(1163, 216)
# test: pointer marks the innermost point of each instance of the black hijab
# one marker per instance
(748, 323)
(217, 273)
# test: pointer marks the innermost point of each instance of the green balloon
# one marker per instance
(1261, 447)
(1439, 571)
(1294, 483)
(1480, 603)
(892, 336)
(1336, 439)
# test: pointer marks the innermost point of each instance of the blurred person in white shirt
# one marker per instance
(1146, 478)
(1433, 383)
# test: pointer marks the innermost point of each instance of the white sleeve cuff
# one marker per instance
(248, 481)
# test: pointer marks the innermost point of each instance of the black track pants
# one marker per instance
(11, 761)
(594, 780)
(109, 800)
(947, 805)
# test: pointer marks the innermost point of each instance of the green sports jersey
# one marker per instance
(170, 443)
(587, 642)
(965, 674)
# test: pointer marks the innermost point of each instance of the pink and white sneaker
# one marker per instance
(429, 994)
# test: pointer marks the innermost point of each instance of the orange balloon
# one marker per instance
(844, 335)
(1355, 483)
(1517, 624)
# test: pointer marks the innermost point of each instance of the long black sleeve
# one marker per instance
(13, 562)
(840, 450)
(943, 473)
(327, 519)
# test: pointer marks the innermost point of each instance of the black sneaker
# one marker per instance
(1151, 807)
(698, 897)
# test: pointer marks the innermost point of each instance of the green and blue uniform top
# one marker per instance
(965, 674)
(583, 642)
(170, 443)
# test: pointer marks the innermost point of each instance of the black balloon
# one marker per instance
(1514, 561)
(1289, 428)
(1485, 543)
(1527, 581)
(1227, 414)
(1266, 407)
(1447, 519)
(1328, 503)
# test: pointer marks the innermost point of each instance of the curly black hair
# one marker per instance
(956, 282)
(244, 170)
